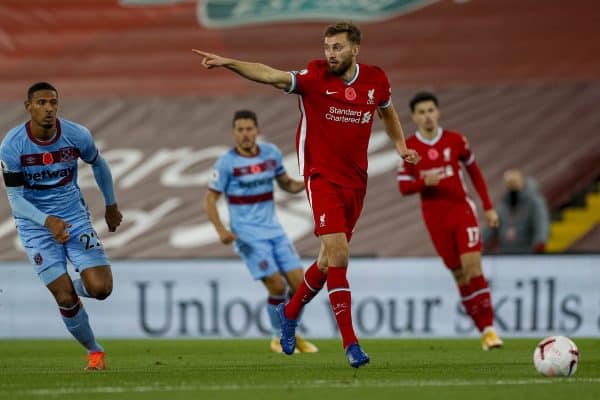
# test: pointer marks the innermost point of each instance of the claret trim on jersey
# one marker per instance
(53, 140)
(250, 199)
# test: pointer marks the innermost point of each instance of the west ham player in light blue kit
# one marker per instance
(39, 165)
(245, 175)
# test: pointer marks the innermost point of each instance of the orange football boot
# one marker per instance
(96, 361)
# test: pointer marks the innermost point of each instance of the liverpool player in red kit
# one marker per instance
(338, 100)
(449, 213)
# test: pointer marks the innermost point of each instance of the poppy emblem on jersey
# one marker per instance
(47, 158)
(350, 93)
(433, 154)
(37, 259)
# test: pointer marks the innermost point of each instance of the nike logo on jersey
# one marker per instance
(330, 92)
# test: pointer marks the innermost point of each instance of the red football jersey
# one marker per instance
(440, 155)
(336, 119)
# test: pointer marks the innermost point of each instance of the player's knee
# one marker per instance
(471, 271)
(105, 291)
(275, 285)
(66, 299)
(277, 289)
(100, 290)
(337, 255)
(323, 267)
(460, 276)
(339, 260)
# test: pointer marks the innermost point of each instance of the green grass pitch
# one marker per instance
(245, 369)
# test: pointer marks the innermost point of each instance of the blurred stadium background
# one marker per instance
(521, 78)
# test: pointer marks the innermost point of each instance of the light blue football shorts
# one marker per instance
(264, 257)
(49, 258)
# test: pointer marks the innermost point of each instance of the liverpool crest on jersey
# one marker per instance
(371, 96)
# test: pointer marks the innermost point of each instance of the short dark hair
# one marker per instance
(245, 114)
(36, 87)
(351, 30)
(420, 97)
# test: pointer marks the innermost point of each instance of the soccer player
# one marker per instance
(449, 213)
(338, 98)
(39, 165)
(245, 175)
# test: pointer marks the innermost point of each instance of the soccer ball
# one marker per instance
(556, 356)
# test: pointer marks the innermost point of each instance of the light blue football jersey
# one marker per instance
(247, 183)
(50, 169)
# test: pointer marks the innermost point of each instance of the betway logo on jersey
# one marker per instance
(255, 183)
(47, 174)
(347, 115)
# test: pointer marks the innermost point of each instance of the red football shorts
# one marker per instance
(454, 230)
(335, 208)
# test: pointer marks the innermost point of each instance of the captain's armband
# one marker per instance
(13, 179)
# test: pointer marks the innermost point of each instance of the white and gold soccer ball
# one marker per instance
(556, 356)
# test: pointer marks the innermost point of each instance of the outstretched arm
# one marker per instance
(288, 184)
(253, 71)
(210, 207)
(393, 128)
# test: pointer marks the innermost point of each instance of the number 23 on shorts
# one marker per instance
(90, 240)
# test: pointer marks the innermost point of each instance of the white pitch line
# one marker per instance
(319, 384)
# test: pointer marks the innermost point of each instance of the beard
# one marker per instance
(341, 68)
(48, 123)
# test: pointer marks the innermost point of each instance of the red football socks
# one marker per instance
(313, 282)
(341, 301)
(477, 301)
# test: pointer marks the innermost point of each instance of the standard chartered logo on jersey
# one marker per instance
(347, 115)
